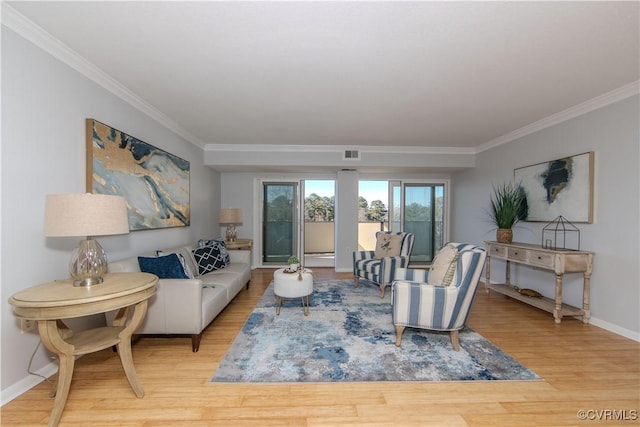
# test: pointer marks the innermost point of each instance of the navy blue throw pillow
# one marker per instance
(165, 267)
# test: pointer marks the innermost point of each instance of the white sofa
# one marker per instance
(187, 306)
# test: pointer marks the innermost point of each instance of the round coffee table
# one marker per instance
(293, 285)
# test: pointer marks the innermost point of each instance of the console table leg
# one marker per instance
(557, 312)
(586, 288)
(487, 270)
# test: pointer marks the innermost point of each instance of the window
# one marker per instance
(415, 207)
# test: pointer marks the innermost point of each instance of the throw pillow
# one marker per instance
(443, 267)
(185, 266)
(388, 245)
(165, 267)
(210, 258)
(219, 241)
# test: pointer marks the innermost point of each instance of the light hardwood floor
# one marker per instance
(583, 367)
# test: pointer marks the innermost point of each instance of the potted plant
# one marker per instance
(508, 206)
(293, 262)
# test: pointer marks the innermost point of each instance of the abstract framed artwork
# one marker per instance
(559, 187)
(154, 182)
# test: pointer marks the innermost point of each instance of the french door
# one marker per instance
(419, 208)
(280, 222)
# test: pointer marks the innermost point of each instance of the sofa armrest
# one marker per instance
(176, 308)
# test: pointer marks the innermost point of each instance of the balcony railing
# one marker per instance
(320, 238)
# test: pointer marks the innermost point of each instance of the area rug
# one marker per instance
(348, 336)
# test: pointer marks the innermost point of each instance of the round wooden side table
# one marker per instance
(49, 304)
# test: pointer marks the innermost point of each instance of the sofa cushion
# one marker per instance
(212, 257)
(443, 266)
(388, 245)
(165, 267)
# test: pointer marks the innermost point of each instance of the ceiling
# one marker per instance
(416, 74)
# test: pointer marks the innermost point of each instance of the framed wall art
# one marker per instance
(154, 182)
(559, 187)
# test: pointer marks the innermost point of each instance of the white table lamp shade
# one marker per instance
(85, 215)
(231, 216)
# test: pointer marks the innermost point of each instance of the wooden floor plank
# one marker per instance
(582, 366)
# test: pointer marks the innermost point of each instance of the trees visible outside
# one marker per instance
(319, 208)
(377, 211)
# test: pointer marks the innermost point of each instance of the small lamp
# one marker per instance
(86, 215)
(231, 217)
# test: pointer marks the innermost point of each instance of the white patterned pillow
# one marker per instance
(388, 245)
(443, 267)
(210, 258)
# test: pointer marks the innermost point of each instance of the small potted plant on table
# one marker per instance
(294, 263)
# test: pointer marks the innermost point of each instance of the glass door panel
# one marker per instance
(395, 206)
(424, 217)
(279, 222)
(418, 207)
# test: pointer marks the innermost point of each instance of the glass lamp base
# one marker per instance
(88, 263)
(231, 233)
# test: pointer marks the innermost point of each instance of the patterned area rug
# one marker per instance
(348, 336)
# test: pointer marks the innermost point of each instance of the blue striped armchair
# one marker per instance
(417, 304)
(380, 270)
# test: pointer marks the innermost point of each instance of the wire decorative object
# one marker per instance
(561, 234)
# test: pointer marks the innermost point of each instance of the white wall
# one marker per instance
(44, 107)
(612, 132)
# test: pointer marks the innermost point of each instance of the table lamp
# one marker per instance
(87, 215)
(231, 217)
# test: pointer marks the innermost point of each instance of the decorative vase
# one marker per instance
(504, 235)
(293, 267)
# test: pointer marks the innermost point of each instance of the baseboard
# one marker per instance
(344, 270)
(627, 333)
(28, 382)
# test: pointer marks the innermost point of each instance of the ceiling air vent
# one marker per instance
(351, 155)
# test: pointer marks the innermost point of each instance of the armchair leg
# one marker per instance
(399, 331)
(382, 291)
(356, 282)
(455, 341)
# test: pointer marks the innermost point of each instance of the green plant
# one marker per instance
(293, 260)
(508, 204)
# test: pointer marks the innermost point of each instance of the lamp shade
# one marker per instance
(85, 215)
(231, 216)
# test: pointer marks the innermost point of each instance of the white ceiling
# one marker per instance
(422, 74)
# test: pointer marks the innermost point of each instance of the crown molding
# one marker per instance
(603, 100)
(386, 149)
(26, 28)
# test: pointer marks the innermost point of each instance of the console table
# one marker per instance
(49, 304)
(557, 261)
(239, 244)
